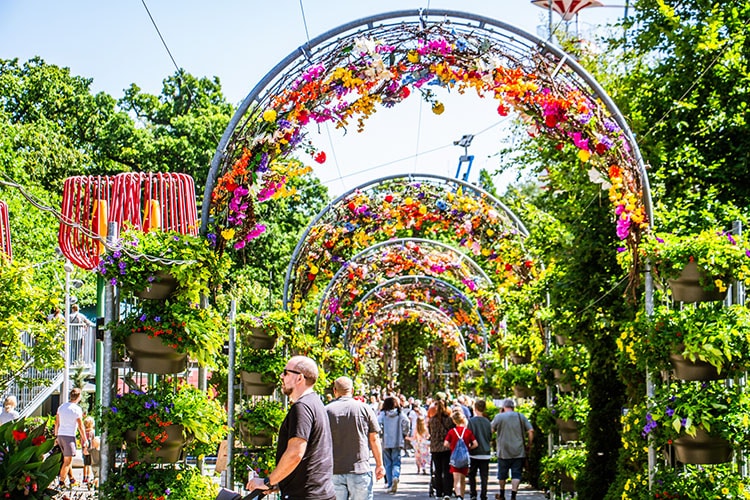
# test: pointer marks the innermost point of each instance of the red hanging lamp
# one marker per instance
(5, 231)
(567, 8)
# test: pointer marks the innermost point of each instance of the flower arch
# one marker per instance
(369, 331)
(420, 206)
(340, 76)
(436, 292)
(399, 257)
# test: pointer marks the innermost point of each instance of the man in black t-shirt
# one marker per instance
(304, 460)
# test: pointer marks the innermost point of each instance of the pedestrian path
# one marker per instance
(417, 486)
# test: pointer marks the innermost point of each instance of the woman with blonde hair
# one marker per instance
(9, 410)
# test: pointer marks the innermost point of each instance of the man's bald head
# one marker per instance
(343, 386)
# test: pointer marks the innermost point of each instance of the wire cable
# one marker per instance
(304, 20)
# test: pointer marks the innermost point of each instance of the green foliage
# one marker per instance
(722, 256)
(276, 323)
(260, 461)
(571, 407)
(26, 469)
(26, 313)
(198, 332)
(148, 412)
(137, 263)
(566, 460)
(137, 480)
(262, 416)
(268, 362)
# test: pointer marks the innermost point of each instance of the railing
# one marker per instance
(30, 397)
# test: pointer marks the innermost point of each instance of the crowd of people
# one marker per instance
(324, 451)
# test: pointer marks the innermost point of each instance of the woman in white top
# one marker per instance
(9, 410)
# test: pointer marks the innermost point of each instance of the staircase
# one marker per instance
(30, 397)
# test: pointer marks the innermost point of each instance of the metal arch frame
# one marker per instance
(417, 278)
(519, 226)
(400, 241)
(412, 305)
(304, 53)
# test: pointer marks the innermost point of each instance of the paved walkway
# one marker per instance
(416, 486)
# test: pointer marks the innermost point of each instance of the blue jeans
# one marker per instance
(392, 463)
(353, 486)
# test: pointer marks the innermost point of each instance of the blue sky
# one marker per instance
(115, 43)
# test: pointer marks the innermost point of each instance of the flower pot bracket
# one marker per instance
(5, 231)
(145, 201)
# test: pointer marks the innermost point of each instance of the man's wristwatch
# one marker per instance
(267, 483)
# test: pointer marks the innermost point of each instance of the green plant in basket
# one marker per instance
(268, 362)
(528, 344)
(707, 332)
(149, 412)
(277, 323)
(681, 408)
(138, 481)
(26, 469)
(697, 483)
(520, 375)
(722, 256)
(570, 407)
(143, 256)
(262, 416)
(196, 331)
(565, 461)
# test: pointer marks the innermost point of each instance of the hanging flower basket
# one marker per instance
(519, 359)
(567, 483)
(168, 451)
(258, 338)
(694, 370)
(521, 391)
(257, 439)
(562, 386)
(253, 385)
(568, 430)
(687, 287)
(151, 355)
(162, 287)
(702, 449)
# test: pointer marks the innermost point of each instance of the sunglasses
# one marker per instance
(287, 371)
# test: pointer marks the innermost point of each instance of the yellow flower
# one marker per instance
(269, 115)
(584, 155)
(227, 234)
(438, 108)
(413, 56)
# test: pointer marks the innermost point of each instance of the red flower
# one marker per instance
(389, 198)
(502, 110)
(38, 440)
(405, 92)
(19, 435)
(320, 157)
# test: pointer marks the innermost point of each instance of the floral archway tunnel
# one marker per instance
(435, 292)
(403, 257)
(341, 76)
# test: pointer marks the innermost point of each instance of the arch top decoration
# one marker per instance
(415, 206)
(399, 257)
(340, 76)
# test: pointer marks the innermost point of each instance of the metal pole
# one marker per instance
(100, 299)
(65, 387)
(230, 394)
(111, 313)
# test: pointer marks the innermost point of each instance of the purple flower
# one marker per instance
(669, 411)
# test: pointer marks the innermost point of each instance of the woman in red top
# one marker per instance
(460, 431)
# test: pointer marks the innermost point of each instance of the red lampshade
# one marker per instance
(567, 8)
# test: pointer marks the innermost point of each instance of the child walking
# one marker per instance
(88, 426)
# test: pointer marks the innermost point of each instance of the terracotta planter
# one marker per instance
(702, 449)
(568, 430)
(519, 359)
(151, 355)
(563, 387)
(256, 338)
(169, 451)
(256, 439)
(521, 391)
(689, 370)
(252, 384)
(687, 287)
(162, 287)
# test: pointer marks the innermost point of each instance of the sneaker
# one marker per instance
(73, 482)
(513, 495)
(446, 497)
(394, 486)
(500, 496)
